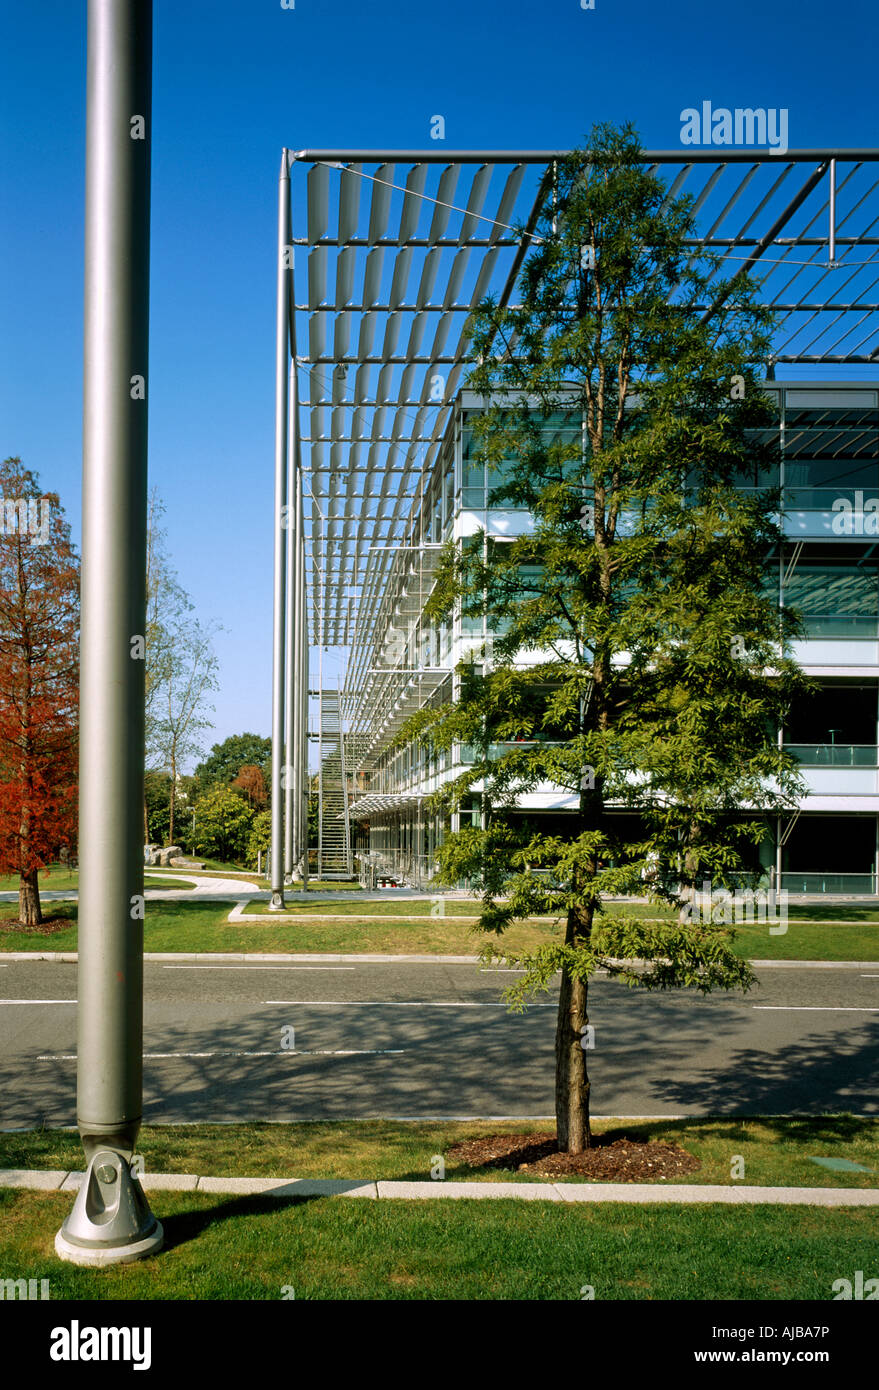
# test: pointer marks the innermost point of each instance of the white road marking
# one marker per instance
(38, 1001)
(817, 1008)
(288, 1052)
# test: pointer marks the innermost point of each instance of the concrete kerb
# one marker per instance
(379, 1189)
(380, 958)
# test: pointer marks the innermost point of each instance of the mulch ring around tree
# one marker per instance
(48, 927)
(608, 1160)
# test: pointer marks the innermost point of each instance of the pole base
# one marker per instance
(111, 1222)
(115, 1255)
(277, 900)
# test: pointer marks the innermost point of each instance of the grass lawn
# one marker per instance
(775, 1151)
(216, 866)
(342, 1248)
(396, 906)
(373, 907)
(199, 926)
(807, 939)
(69, 882)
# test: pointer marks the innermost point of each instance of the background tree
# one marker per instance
(226, 759)
(251, 783)
(157, 797)
(637, 660)
(223, 823)
(313, 809)
(39, 625)
(260, 838)
(190, 676)
(261, 833)
(181, 667)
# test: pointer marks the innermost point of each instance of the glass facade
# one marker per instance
(826, 444)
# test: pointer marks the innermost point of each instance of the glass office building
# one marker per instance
(828, 569)
(398, 248)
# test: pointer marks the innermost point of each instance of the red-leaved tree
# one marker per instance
(39, 629)
(252, 785)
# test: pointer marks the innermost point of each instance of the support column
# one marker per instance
(304, 675)
(111, 1221)
(279, 521)
(832, 237)
(291, 625)
(297, 577)
(778, 852)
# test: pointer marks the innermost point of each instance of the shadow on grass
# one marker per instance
(57, 917)
(840, 1128)
(835, 914)
(187, 1226)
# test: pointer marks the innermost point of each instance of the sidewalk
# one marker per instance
(285, 1188)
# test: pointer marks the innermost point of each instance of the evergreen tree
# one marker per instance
(637, 658)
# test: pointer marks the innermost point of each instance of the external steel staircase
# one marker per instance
(334, 841)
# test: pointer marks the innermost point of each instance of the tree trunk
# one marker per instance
(29, 911)
(690, 875)
(172, 798)
(146, 822)
(571, 1078)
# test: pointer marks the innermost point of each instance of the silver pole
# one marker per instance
(833, 212)
(292, 562)
(320, 737)
(297, 637)
(111, 1221)
(280, 534)
(303, 674)
(294, 687)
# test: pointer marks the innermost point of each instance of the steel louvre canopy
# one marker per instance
(448, 220)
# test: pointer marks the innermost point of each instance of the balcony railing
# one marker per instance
(829, 883)
(498, 750)
(835, 754)
(810, 754)
(819, 625)
(821, 498)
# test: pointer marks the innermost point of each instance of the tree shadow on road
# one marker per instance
(830, 1086)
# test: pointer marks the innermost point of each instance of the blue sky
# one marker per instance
(233, 84)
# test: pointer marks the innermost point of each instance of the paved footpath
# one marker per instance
(59, 1180)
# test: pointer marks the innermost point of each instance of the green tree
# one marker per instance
(260, 839)
(313, 808)
(157, 798)
(261, 834)
(226, 759)
(223, 822)
(637, 659)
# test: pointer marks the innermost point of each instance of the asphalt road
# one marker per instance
(421, 1040)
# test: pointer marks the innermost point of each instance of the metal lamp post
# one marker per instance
(111, 1221)
(281, 521)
